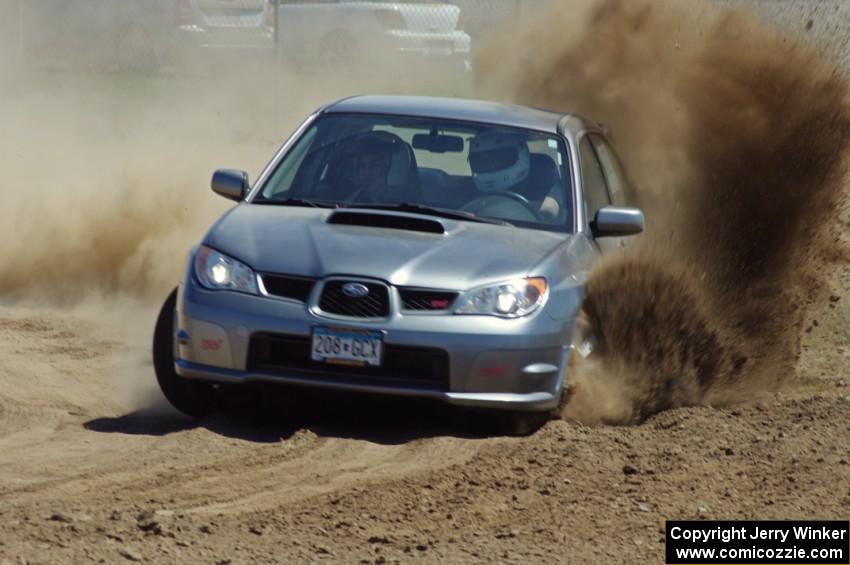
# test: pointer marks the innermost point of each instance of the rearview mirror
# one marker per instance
(231, 184)
(616, 221)
(438, 143)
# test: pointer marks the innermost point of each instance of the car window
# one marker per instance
(453, 163)
(611, 167)
(511, 174)
(592, 180)
(298, 153)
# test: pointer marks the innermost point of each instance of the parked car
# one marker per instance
(410, 246)
(144, 36)
(362, 36)
(225, 24)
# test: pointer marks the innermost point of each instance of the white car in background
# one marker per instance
(339, 35)
(360, 36)
(226, 23)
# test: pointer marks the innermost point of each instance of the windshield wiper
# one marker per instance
(432, 211)
(296, 202)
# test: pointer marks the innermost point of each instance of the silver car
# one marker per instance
(410, 246)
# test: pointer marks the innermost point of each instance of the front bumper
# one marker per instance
(531, 401)
(494, 363)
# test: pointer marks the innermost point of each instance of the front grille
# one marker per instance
(376, 304)
(296, 288)
(426, 300)
(402, 366)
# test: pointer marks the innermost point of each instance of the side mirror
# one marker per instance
(231, 184)
(614, 221)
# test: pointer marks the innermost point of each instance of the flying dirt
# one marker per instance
(737, 142)
(722, 337)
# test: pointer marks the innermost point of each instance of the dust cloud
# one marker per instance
(736, 140)
(106, 170)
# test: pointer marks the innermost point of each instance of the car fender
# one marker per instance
(567, 267)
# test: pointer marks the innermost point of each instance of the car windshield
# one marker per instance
(423, 165)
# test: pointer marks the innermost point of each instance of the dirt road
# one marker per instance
(82, 479)
(94, 466)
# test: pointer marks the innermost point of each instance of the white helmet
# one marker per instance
(499, 160)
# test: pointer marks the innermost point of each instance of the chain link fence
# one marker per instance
(149, 35)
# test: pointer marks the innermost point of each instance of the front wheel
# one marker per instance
(194, 399)
(489, 422)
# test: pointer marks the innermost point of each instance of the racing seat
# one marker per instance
(543, 174)
(435, 185)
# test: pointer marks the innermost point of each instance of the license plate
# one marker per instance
(347, 347)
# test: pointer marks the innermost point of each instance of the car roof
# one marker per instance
(481, 111)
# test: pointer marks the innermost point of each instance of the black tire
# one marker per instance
(487, 422)
(338, 52)
(192, 398)
(525, 423)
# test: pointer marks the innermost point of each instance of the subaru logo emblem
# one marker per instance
(355, 290)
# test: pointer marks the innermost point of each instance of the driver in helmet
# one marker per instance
(501, 164)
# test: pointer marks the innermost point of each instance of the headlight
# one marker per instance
(217, 271)
(512, 299)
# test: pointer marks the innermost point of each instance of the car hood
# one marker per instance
(300, 241)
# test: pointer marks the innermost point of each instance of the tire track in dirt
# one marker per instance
(42, 355)
(66, 438)
(355, 462)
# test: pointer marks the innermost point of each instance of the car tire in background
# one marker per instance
(194, 399)
(338, 51)
(135, 51)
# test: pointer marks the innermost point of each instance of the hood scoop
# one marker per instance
(387, 221)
